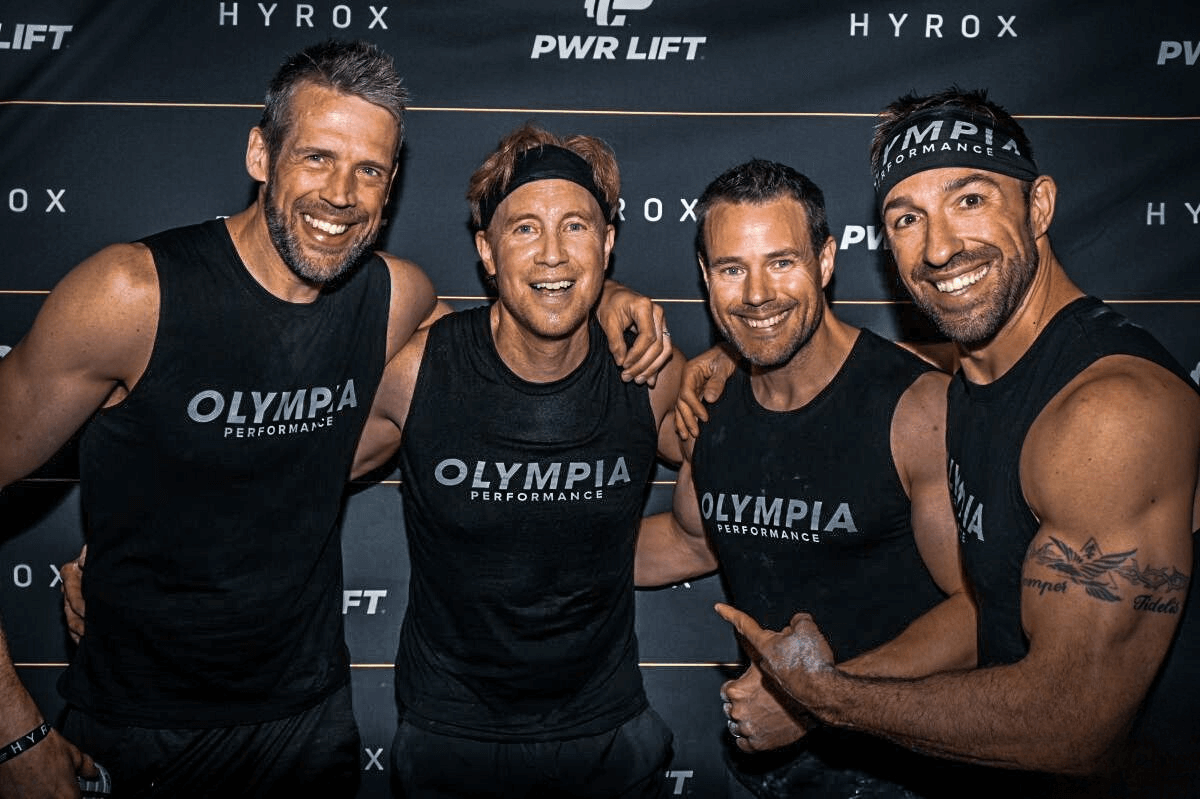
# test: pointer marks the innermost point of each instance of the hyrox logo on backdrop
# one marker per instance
(303, 15)
(934, 26)
(568, 47)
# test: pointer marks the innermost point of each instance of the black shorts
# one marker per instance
(314, 753)
(628, 762)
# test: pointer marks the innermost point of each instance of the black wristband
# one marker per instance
(11, 750)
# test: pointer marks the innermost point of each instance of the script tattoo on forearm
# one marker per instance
(1097, 572)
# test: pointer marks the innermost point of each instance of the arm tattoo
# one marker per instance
(1096, 572)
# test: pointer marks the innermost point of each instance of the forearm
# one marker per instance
(1007, 716)
(21, 713)
(942, 639)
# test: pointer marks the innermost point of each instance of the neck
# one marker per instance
(1050, 291)
(253, 243)
(793, 385)
(534, 358)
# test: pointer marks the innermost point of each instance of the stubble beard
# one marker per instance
(980, 325)
(287, 244)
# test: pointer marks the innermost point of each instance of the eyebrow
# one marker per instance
(734, 259)
(947, 187)
(967, 180)
(594, 217)
(312, 149)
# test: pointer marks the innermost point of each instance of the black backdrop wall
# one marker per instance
(119, 118)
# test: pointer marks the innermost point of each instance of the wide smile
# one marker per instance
(768, 322)
(962, 282)
(322, 226)
(553, 286)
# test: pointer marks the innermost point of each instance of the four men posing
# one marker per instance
(1072, 451)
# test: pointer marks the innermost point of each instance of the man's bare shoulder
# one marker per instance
(406, 273)
(918, 434)
(1124, 430)
(113, 295)
(126, 271)
(922, 407)
(928, 393)
(1124, 400)
(412, 299)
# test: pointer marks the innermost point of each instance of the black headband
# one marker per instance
(544, 162)
(950, 137)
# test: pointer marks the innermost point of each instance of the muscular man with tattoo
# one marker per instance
(1073, 443)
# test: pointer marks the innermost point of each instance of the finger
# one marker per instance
(646, 368)
(75, 627)
(685, 422)
(746, 626)
(650, 373)
(614, 325)
(651, 349)
(689, 412)
(731, 614)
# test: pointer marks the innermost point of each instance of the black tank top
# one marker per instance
(211, 496)
(986, 430)
(805, 507)
(521, 504)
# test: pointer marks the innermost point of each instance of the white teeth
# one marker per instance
(328, 227)
(774, 320)
(561, 284)
(961, 282)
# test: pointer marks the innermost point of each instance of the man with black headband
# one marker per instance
(525, 460)
(214, 663)
(1073, 443)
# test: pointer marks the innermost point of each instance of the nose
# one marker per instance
(552, 252)
(941, 241)
(758, 288)
(341, 189)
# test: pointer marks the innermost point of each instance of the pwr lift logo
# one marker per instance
(608, 14)
(600, 10)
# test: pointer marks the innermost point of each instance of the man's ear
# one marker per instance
(1043, 196)
(258, 160)
(610, 238)
(485, 252)
(826, 257)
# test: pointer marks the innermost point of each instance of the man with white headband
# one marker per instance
(1073, 442)
(525, 460)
